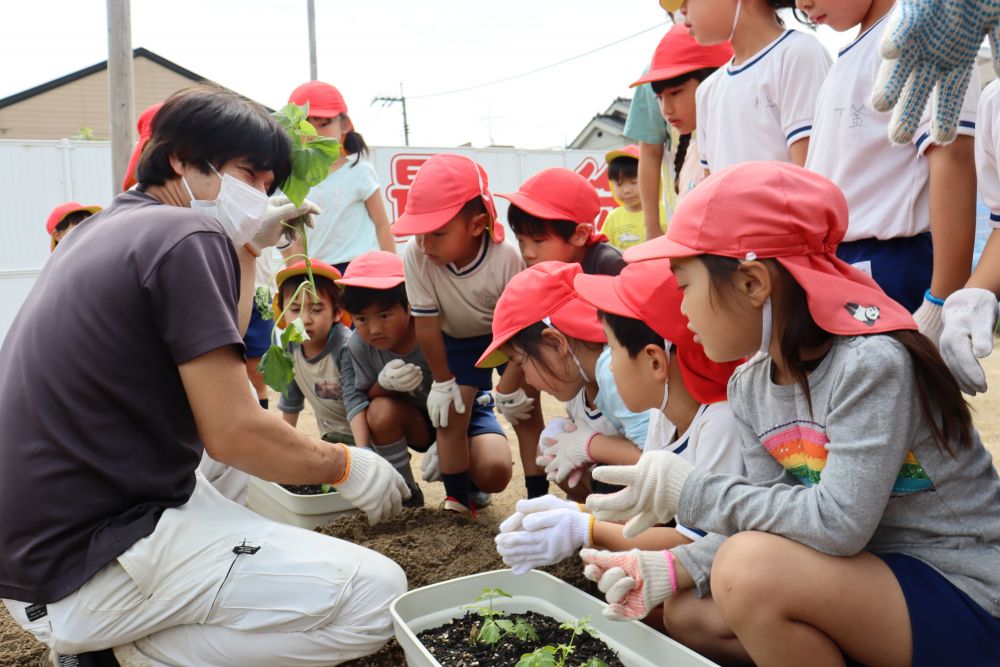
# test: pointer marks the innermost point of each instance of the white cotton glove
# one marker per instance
(430, 470)
(397, 375)
(546, 538)
(554, 427)
(279, 210)
(372, 485)
(932, 45)
(970, 316)
(652, 489)
(516, 407)
(928, 319)
(633, 582)
(568, 456)
(544, 503)
(442, 396)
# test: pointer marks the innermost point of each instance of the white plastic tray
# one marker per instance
(278, 503)
(636, 644)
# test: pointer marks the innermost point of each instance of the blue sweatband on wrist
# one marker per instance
(933, 299)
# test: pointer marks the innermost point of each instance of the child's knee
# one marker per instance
(742, 573)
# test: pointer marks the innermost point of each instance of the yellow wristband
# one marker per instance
(347, 466)
(593, 520)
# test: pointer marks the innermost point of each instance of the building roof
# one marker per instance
(87, 71)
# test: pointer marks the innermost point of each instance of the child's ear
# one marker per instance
(479, 223)
(581, 234)
(555, 339)
(656, 360)
(753, 280)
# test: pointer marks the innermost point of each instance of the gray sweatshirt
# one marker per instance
(861, 472)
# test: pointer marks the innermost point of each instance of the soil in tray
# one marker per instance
(306, 489)
(450, 644)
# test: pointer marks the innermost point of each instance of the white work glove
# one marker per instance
(430, 470)
(544, 503)
(568, 455)
(398, 375)
(633, 582)
(970, 316)
(442, 396)
(652, 489)
(279, 210)
(554, 427)
(928, 319)
(372, 485)
(516, 407)
(546, 538)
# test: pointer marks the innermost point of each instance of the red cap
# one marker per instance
(299, 269)
(145, 127)
(557, 193)
(441, 187)
(324, 100)
(632, 151)
(648, 291)
(542, 291)
(376, 269)
(61, 211)
(761, 210)
(678, 53)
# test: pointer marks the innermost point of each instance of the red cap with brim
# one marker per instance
(375, 269)
(145, 127)
(539, 293)
(441, 187)
(60, 212)
(777, 210)
(648, 291)
(678, 53)
(299, 269)
(324, 100)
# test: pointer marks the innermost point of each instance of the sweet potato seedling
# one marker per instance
(557, 656)
(496, 625)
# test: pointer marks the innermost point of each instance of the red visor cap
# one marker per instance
(762, 210)
(540, 292)
(678, 53)
(441, 187)
(376, 269)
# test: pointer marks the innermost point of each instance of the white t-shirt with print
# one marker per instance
(758, 110)
(887, 187)
(344, 229)
(988, 150)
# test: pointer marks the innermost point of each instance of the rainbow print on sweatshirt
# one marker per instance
(800, 448)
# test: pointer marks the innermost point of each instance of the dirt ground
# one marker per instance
(424, 541)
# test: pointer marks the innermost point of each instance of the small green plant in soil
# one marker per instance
(557, 656)
(496, 625)
(309, 489)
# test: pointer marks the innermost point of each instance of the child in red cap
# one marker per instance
(866, 524)
(625, 226)
(64, 218)
(553, 216)
(457, 266)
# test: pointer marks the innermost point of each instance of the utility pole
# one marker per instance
(311, 8)
(386, 101)
(120, 102)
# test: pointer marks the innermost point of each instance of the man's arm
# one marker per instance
(248, 268)
(650, 168)
(237, 432)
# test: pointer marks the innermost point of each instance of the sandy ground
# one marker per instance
(433, 556)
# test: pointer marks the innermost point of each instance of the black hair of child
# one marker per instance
(634, 335)
(73, 218)
(623, 167)
(354, 144)
(323, 286)
(358, 299)
(523, 223)
(685, 140)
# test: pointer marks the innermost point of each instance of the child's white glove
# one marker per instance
(429, 467)
(568, 455)
(928, 319)
(970, 317)
(545, 539)
(440, 399)
(544, 503)
(515, 407)
(554, 427)
(371, 484)
(633, 582)
(272, 224)
(397, 375)
(652, 489)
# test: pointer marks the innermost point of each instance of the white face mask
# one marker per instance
(239, 207)
(666, 385)
(765, 334)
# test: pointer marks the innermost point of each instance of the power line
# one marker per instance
(540, 69)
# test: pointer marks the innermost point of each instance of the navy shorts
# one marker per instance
(948, 627)
(902, 267)
(258, 336)
(483, 419)
(462, 355)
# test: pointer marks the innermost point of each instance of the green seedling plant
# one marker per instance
(312, 157)
(496, 625)
(557, 656)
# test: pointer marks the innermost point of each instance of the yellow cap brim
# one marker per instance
(671, 5)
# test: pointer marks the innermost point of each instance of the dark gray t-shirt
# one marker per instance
(368, 362)
(602, 259)
(98, 433)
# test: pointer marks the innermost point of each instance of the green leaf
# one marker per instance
(542, 657)
(312, 155)
(327, 488)
(489, 593)
(262, 302)
(505, 625)
(295, 332)
(524, 630)
(277, 367)
(489, 633)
